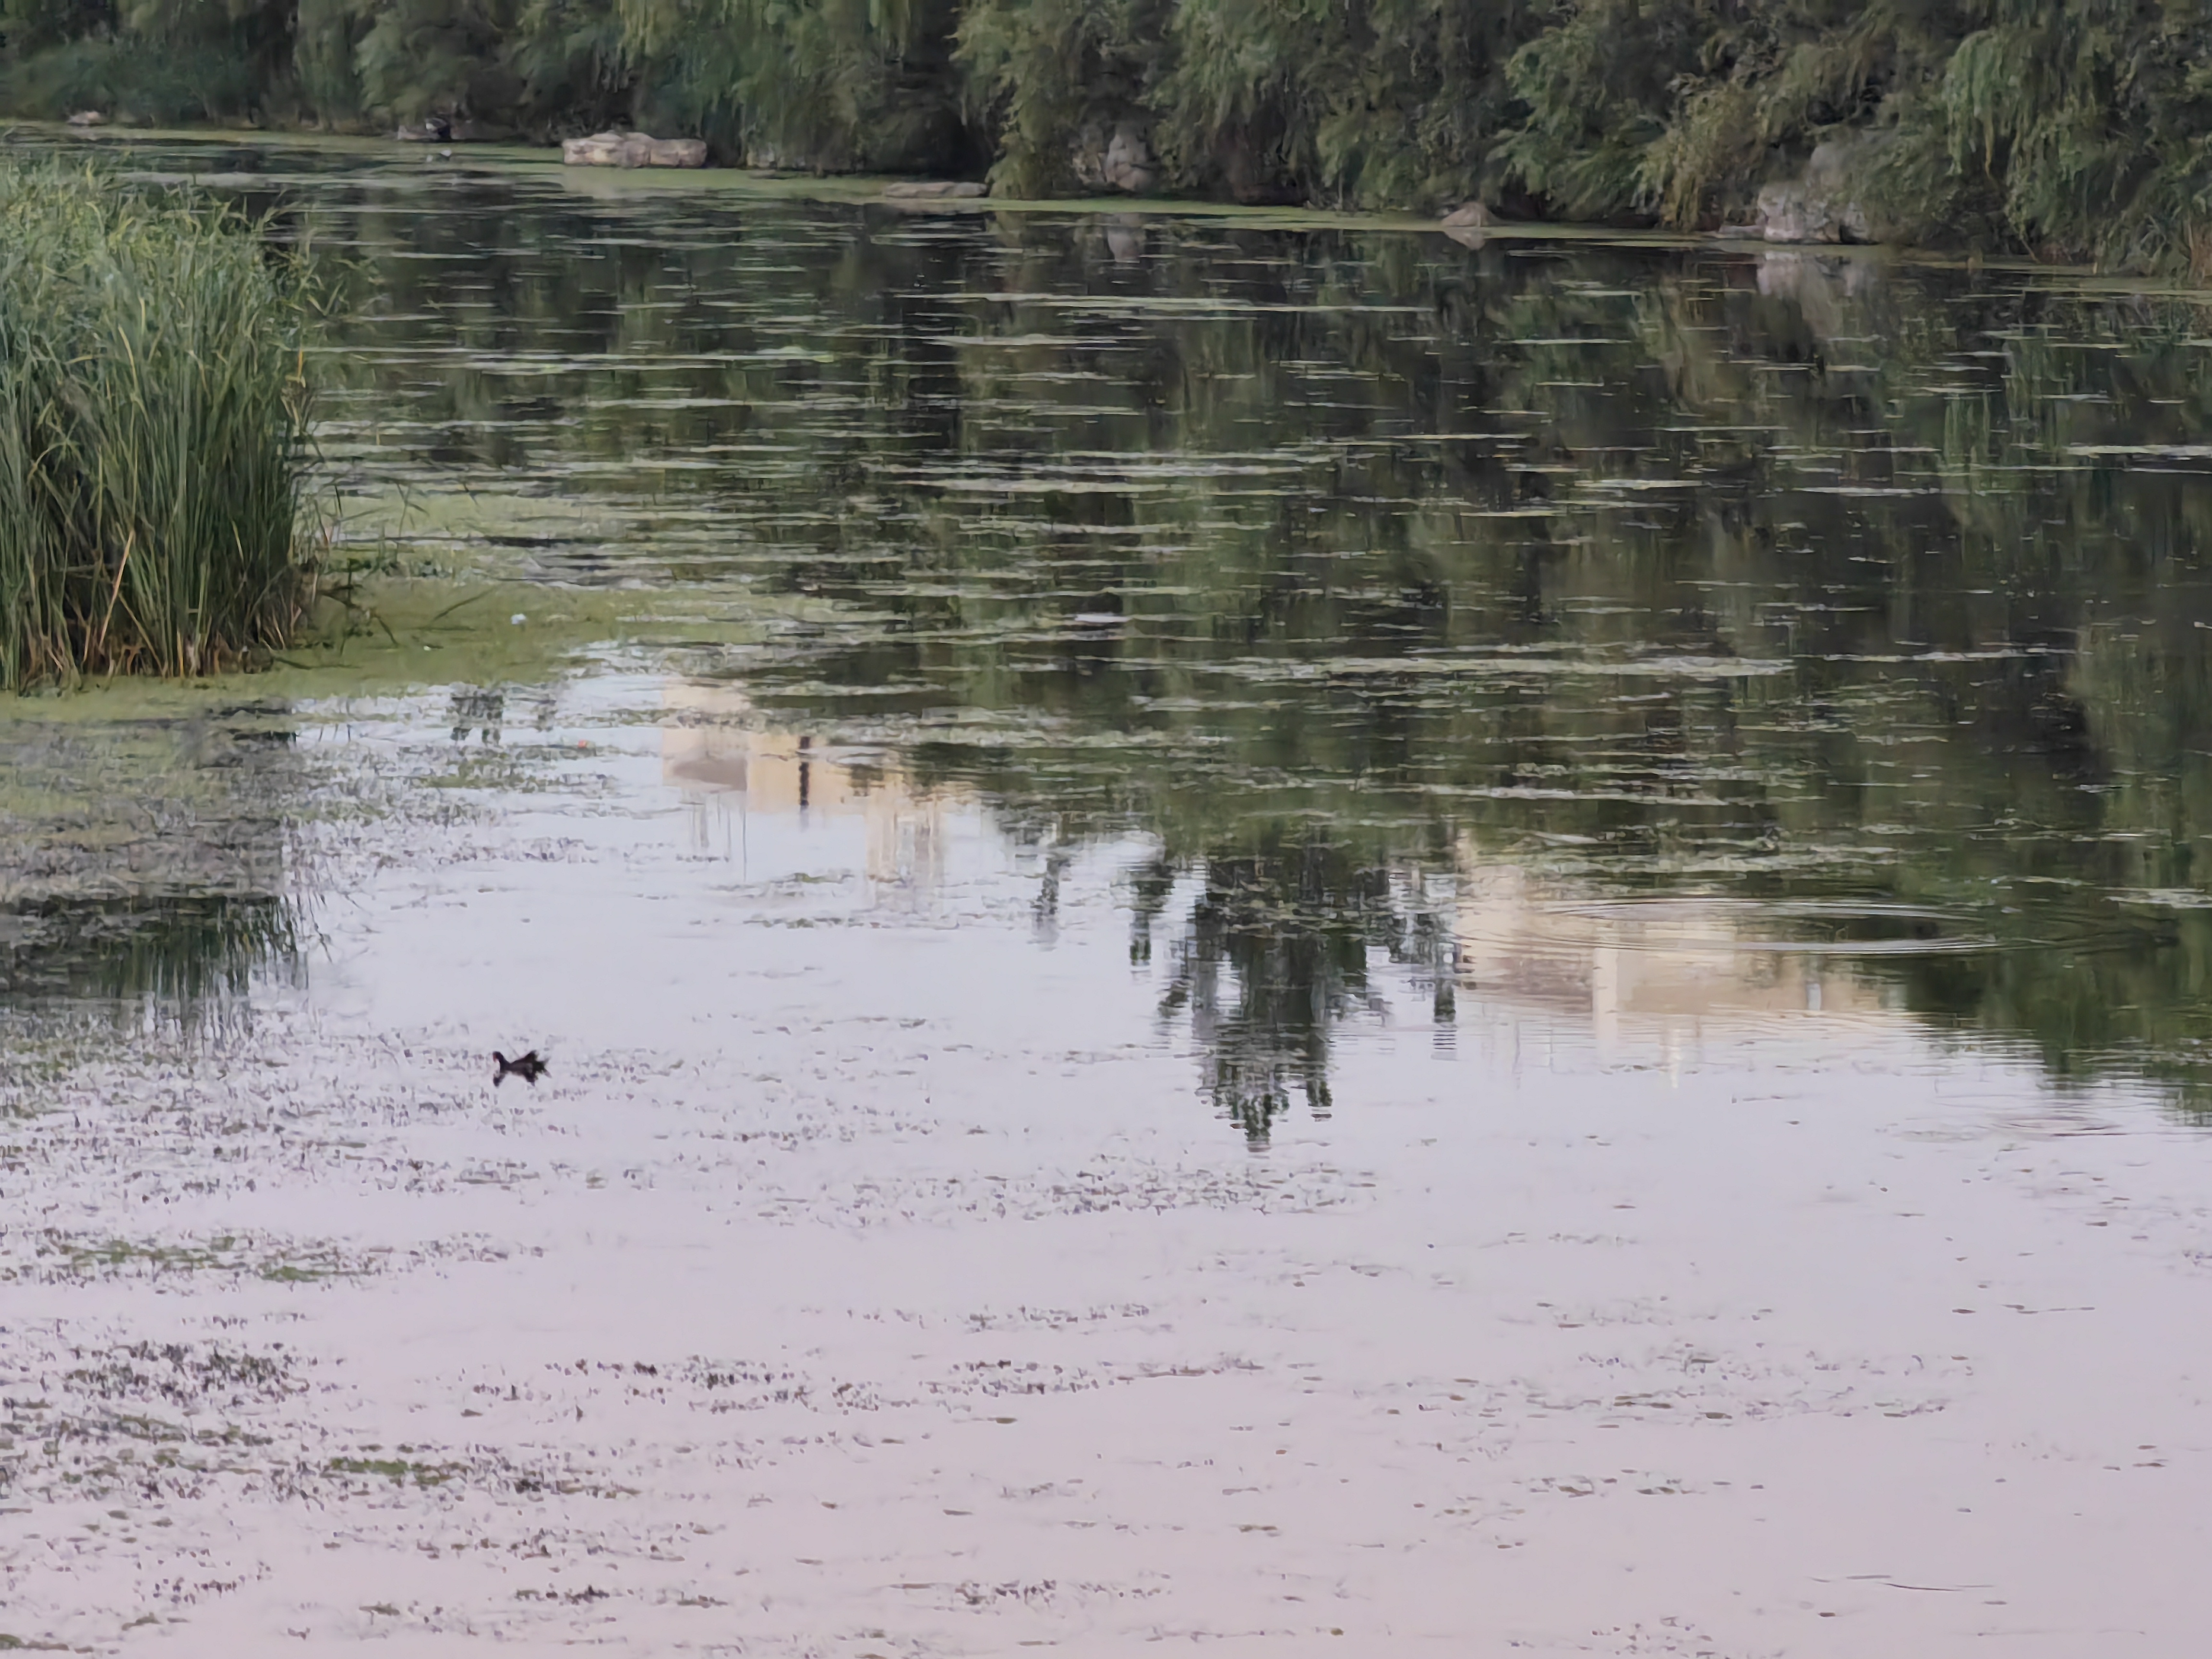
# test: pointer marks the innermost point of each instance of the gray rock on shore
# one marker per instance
(934, 190)
(1829, 202)
(632, 149)
(1468, 224)
(1113, 155)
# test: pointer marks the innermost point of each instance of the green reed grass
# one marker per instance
(153, 410)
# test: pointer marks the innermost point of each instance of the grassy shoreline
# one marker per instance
(857, 190)
(2079, 133)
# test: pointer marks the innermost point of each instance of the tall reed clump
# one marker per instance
(154, 414)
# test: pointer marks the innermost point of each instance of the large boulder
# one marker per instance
(678, 153)
(632, 149)
(1468, 224)
(934, 189)
(1114, 154)
(1830, 201)
(601, 150)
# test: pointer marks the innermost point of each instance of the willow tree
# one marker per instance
(2079, 130)
(2094, 122)
(834, 85)
(170, 61)
(1373, 103)
(1041, 72)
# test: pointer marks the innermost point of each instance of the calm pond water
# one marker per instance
(1184, 875)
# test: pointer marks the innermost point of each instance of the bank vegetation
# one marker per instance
(2068, 129)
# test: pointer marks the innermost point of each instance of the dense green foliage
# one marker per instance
(2077, 129)
(152, 434)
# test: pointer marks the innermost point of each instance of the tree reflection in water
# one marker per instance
(1292, 923)
(1683, 572)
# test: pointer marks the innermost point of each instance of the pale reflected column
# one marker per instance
(1605, 993)
(721, 759)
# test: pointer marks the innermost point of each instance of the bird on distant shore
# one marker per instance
(527, 1066)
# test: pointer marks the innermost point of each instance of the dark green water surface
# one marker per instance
(1819, 630)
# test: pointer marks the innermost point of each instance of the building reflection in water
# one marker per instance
(1275, 948)
(732, 765)
(1657, 979)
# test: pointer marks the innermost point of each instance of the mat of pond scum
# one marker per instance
(1304, 940)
